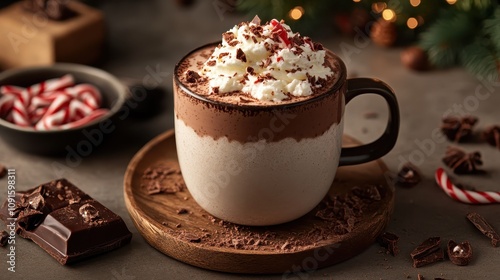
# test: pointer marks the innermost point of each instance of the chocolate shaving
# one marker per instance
(458, 129)
(459, 254)
(182, 211)
(492, 136)
(4, 236)
(484, 227)
(3, 171)
(240, 55)
(390, 242)
(408, 176)
(256, 20)
(163, 178)
(190, 237)
(429, 259)
(369, 192)
(461, 162)
(192, 76)
(427, 252)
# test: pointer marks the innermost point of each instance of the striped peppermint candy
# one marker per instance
(465, 196)
(51, 105)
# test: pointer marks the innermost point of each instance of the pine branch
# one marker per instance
(492, 29)
(469, 5)
(444, 40)
(480, 59)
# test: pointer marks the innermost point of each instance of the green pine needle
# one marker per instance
(492, 29)
(468, 5)
(446, 37)
(480, 60)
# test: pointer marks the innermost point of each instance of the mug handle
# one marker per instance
(381, 146)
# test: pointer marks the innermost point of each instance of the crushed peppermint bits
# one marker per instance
(267, 61)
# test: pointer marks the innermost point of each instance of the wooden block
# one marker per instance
(28, 39)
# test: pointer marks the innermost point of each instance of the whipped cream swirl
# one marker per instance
(268, 62)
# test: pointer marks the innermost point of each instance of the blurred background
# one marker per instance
(446, 33)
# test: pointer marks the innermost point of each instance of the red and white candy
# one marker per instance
(465, 196)
(51, 105)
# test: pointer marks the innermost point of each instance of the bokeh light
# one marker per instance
(378, 7)
(415, 3)
(389, 15)
(412, 23)
(296, 13)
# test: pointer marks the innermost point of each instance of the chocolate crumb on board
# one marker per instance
(182, 211)
(390, 242)
(3, 171)
(336, 215)
(427, 252)
(482, 225)
(164, 177)
(4, 236)
(408, 176)
(459, 253)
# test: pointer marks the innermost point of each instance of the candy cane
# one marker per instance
(19, 114)
(52, 104)
(465, 196)
(93, 116)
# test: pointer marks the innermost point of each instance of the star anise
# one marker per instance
(492, 136)
(458, 129)
(462, 162)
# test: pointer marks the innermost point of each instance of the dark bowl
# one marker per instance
(79, 139)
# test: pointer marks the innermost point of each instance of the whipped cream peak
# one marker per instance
(267, 61)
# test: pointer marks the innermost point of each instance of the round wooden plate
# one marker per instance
(156, 217)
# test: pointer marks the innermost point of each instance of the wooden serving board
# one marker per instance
(156, 217)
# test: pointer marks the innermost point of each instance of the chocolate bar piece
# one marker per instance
(428, 259)
(390, 242)
(428, 252)
(459, 254)
(482, 225)
(65, 222)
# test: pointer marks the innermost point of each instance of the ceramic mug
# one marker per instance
(265, 165)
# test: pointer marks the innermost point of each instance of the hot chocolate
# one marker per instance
(259, 123)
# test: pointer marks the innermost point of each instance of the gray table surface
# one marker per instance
(146, 35)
